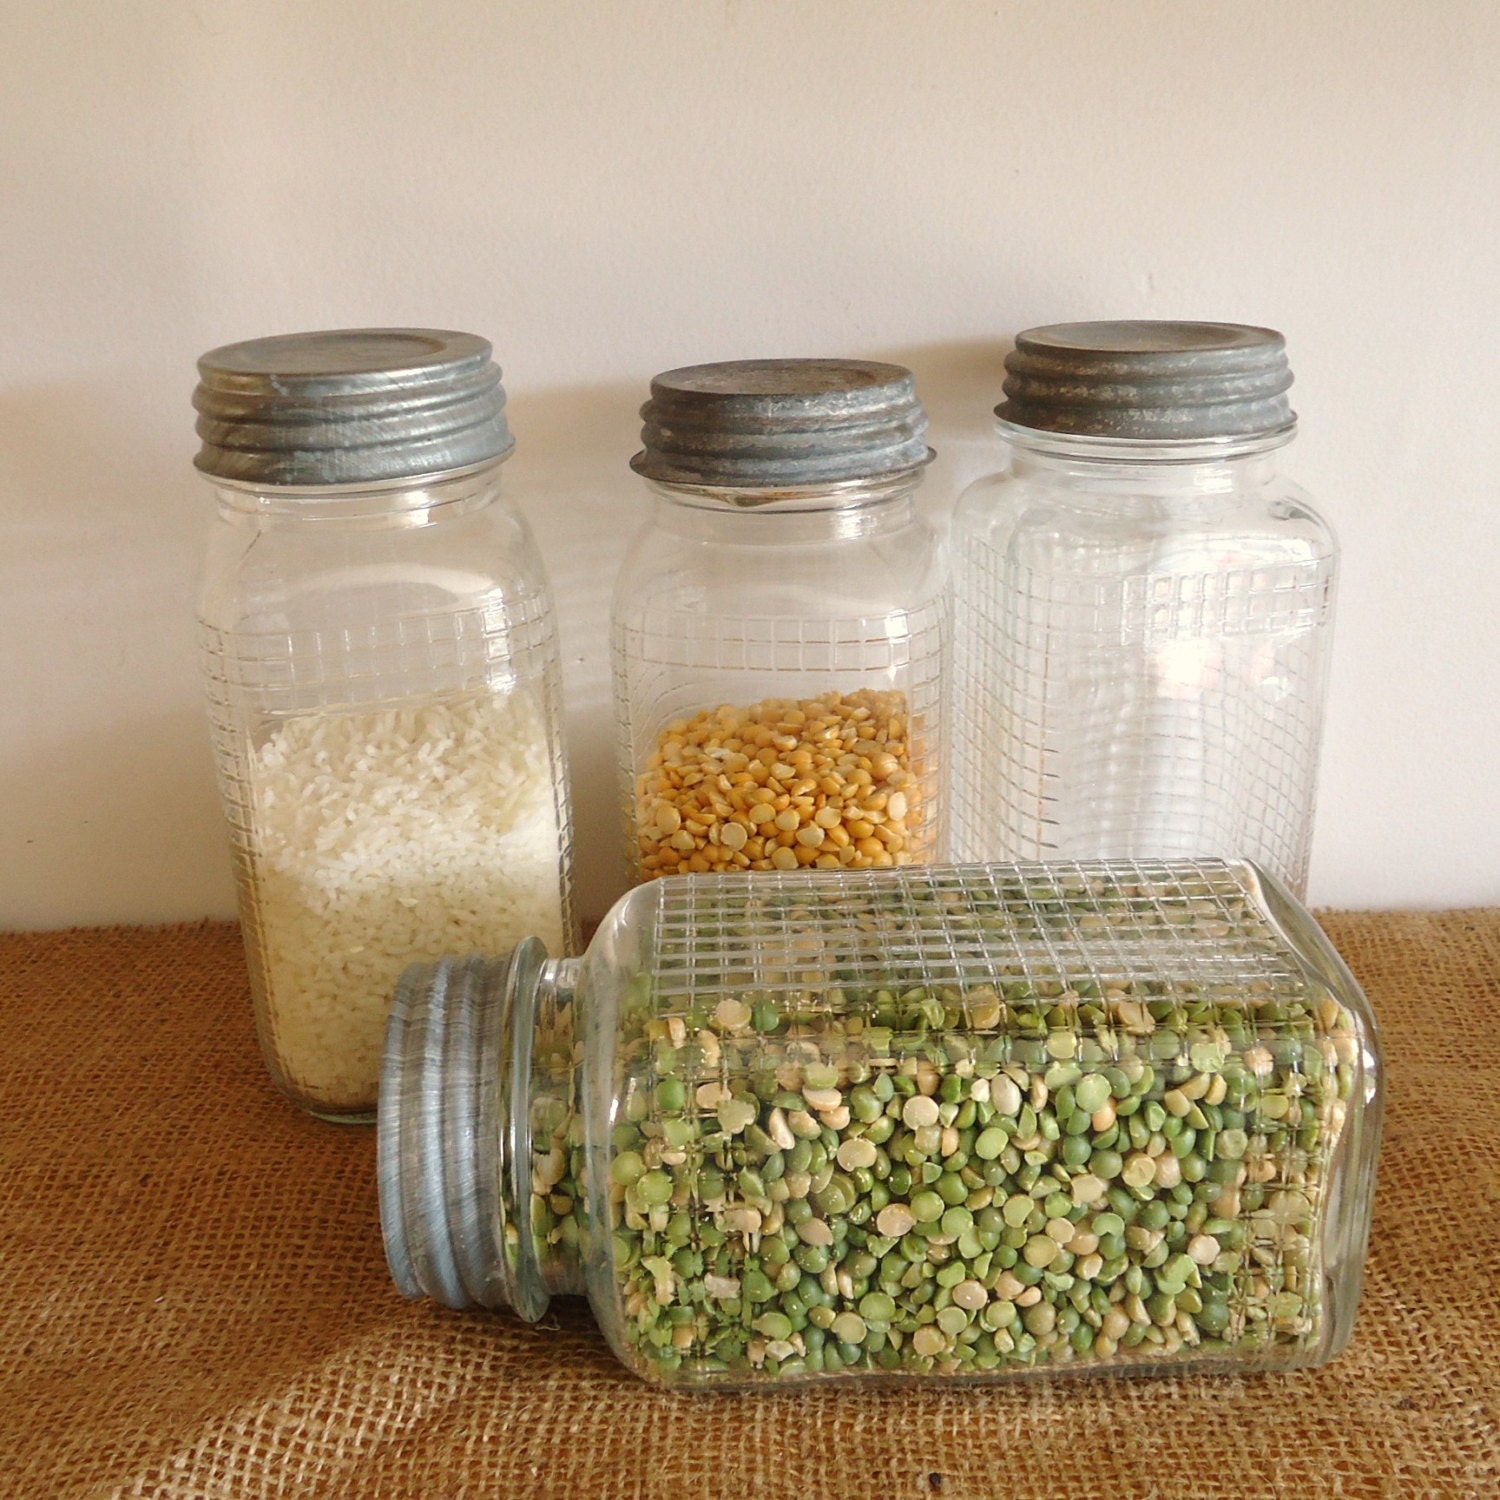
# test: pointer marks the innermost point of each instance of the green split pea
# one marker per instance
(857, 1176)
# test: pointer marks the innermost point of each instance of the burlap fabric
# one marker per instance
(193, 1300)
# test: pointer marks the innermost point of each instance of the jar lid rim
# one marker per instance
(781, 423)
(1150, 380)
(349, 406)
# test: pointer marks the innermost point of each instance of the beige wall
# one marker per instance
(609, 189)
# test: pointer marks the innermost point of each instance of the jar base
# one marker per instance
(347, 1117)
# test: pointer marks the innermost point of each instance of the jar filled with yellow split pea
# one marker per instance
(780, 624)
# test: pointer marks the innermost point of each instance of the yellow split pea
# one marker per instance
(783, 784)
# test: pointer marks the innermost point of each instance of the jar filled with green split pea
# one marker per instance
(961, 1122)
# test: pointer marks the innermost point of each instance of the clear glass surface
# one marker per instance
(1142, 637)
(383, 683)
(781, 651)
(956, 1122)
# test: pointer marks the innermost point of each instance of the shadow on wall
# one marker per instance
(121, 824)
(571, 477)
(960, 385)
(107, 804)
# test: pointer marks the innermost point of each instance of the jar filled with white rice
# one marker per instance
(384, 686)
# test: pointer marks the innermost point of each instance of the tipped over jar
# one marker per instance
(383, 678)
(961, 1122)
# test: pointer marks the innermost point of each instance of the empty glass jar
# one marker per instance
(780, 629)
(1144, 606)
(977, 1121)
(383, 681)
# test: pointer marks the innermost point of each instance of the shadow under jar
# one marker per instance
(383, 682)
(957, 1122)
(780, 626)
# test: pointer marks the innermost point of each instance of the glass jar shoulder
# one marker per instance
(286, 572)
(613, 1074)
(1030, 516)
(833, 575)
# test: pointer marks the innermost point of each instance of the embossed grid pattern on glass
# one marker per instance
(1181, 924)
(253, 680)
(1188, 938)
(390, 658)
(257, 680)
(1176, 714)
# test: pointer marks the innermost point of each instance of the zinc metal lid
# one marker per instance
(1150, 380)
(350, 406)
(781, 423)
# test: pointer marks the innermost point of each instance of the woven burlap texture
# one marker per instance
(193, 1299)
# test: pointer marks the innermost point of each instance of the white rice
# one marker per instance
(382, 838)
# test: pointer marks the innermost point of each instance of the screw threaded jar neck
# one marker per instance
(455, 1139)
(779, 425)
(349, 406)
(1149, 381)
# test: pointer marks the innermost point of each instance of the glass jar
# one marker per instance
(955, 1121)
(383, 682)
(1144, 606)
(779, 626)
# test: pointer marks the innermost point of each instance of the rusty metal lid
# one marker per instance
(1149, 380)
(781, 423)
(349, 406)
